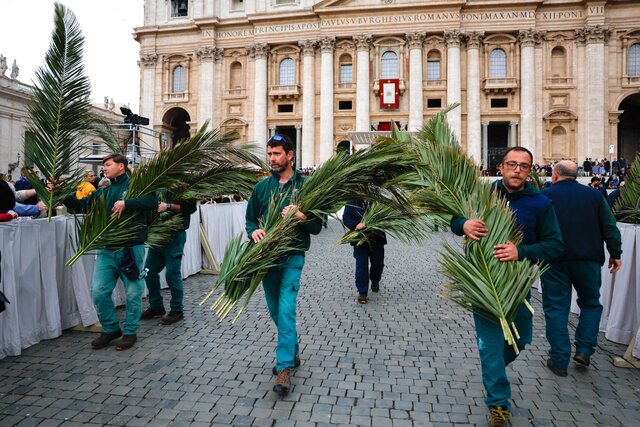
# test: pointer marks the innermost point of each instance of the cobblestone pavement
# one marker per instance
(408, 358)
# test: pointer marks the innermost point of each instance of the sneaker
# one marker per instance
(558, 371)
(375, 287)
(126, 342)
(582, 359)
(362, 299)
(104, 339)
(283, 382)
(498, 416)
(172, 317)
(150, 313)
(296, 363)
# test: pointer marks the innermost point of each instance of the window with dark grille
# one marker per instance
(499, 102)
(345, 105)
(434, 103)
(285, 108)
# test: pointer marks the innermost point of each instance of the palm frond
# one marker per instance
(218, 180)
(60, 108)
(161, 227)
(627, 208)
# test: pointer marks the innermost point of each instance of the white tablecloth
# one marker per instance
(222, 222)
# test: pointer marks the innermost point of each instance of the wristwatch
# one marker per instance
(168, 206)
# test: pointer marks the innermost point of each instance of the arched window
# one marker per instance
(433, 65)
(178, 80)
(558, 62)
(559, 142)
(346, 68)
(287, 76)
(389, 65)
(633, 61)
(498, 64)
(235, 76)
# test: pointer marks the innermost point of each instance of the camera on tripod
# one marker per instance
(133, 119)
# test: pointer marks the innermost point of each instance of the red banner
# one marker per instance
(389, 93)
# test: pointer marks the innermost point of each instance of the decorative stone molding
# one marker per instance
(597, 33)
(259, 51)
(452, 38)
(148, 59)
(530, 37)
(474, 39)
(218, 54)
(327, 44)
(363, 41)
(415, 40)
(205, 53)
(308, 47)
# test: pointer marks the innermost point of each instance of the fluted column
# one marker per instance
(528, 39)
(363, 91)
(596, 36)
(327, 46)
(485, 145)
(416, 102)
(259, 53)
(148, 62)
(206, 86)
(474, 135)
(454, 117)
(308, 103)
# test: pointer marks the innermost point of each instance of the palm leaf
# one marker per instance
(60, 108)
(627, 208)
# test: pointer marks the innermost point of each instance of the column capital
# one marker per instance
(486, 123)
(530, 37)
(363, 41)
(513, 123)
(218, 54)
(259, 51)
(327, 44)
(308, 47)
(298, 125)
(595, 33)
(415, 40)
(452, 38)
(474, 39)
(205, 53)
(148, 59)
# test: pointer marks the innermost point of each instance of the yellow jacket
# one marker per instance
(84, 189)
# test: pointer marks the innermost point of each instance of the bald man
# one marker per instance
(586, 222)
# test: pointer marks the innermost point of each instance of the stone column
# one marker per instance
(259, 53)
(218, 89)
(485, 145)
(581, 88)
(513, 134)
(327, 45)
(416, 101)
(363, 91)
(596, 36)
(299, 139)
(148, 62)
(206, 85)
(306, 145)
(474, 135)
(452, 38)
(528, 39)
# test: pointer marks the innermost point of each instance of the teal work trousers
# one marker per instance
(170, 257)
(556, 302)
(281, 285)
(105, 277)
(496, 354)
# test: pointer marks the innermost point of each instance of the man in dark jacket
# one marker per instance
(585, 221)
(108, 263)
(541, 241)
(281, 283)
(169, 256)
(372, 251)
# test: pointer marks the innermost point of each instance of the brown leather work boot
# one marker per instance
(104, 339)
(172, 317)
(296, 363)
(498, 416)
(126, 342)
(283, 382)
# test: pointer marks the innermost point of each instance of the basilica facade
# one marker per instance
(559, 77)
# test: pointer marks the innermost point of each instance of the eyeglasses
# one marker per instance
(524, 167)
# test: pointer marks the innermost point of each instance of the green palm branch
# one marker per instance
(60, 108)
(219, 179)
(627, 208)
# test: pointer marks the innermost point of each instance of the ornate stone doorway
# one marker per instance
(176, 123)
(497, 143)
(344, 146)
(629, 128)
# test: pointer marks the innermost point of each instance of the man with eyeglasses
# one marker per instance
(541, 241)
(281, 283)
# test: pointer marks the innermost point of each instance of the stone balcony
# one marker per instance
(500, 84)
(284, 92)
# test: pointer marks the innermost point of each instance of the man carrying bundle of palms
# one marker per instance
(281, 283)
(541, 241)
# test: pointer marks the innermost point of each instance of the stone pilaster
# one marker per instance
(259, 52)
(416, 102)
(474, 131)
(363, 91)
(148, 62)
(206, 88)
(595, 37)
(308, 130)
(528, 39)
(327, 46)
(454, 117)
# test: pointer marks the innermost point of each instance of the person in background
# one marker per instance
(7, 202)
(86, 187)
(23, 184)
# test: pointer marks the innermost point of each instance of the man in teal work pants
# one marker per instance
(281, 283)
(108, 263)
(169, 256)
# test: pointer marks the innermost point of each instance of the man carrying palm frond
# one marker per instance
(110, 263)
(541, 241)
(281, 283)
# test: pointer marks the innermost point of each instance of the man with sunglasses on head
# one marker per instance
(281, 283)
(541, 241)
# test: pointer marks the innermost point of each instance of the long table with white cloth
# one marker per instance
(46, 296)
